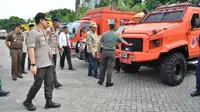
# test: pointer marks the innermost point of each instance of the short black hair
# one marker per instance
(31, 25)
(18, 25)
(40, 16)
(65, 27)
(112, 26)
(56, 20)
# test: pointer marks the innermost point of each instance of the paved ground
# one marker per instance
(141, 92)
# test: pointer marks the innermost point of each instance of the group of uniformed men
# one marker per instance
(42, 42)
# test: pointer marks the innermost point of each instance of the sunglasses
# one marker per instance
(21, 27)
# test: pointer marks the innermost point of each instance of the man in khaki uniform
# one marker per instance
(14, 42)
(92, 43)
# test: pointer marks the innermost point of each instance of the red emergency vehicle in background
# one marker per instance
(101, 16)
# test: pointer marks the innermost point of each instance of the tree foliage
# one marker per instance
(66, 15)
(102, 3)
(9, 24)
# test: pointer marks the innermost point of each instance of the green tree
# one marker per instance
(66, 15)
(77, 7)
(102, 3)
(82, 12)
(9, 24)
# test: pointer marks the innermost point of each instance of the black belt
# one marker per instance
(108, 50)
(15, 49)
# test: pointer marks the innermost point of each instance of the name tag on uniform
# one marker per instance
(42, 40)
(15, 40)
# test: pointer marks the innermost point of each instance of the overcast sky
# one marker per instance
(29, 8)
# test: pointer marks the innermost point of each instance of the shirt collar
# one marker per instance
(92, 32)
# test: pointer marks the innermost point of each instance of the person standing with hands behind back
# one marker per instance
(108, 40)
(41, 64)
(92, 43)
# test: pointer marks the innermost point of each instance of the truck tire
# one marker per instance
(172, 69)
(134, 68)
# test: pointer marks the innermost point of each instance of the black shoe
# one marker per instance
(90, 75)
(20, 76)
(61, 68)
(50, 104)
(118, 70)
(14, 78)
(100, 83)
(25, 72)
(96, 76)
(57, 85)
(196, 93)
(29, 106)
(4, 93)
(72, 69)
(109, 84)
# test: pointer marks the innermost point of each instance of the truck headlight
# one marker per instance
(155, 43)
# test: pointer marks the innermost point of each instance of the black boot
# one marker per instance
(57, 84)
(50, 104)
(100, 83)
(29, 105)
(96, 76)
(196, 93)
(4, 93)
(14, 78)
(109, 84)
(72, 68)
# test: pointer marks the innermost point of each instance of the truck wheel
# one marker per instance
(130, 68)
(172, 69)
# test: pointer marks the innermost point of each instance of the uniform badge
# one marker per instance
(14, 39)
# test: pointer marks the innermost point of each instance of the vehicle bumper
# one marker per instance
(139, 56)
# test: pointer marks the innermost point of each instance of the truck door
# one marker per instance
(193, 46)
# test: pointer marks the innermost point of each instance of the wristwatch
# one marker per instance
(33, 64)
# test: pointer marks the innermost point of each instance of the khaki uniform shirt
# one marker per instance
(109, 40)
(92, 38)
(39, 41)
(16, 40)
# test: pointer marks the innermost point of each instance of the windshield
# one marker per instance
(121, 28)
(87, 25)
(69, 24)
(165, 16)
(74, 25)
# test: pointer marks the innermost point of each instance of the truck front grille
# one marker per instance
(137, 45)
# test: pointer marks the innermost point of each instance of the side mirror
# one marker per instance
(73, 30)
(196, 23)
